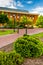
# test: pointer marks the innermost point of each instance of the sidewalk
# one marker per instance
(8, 39)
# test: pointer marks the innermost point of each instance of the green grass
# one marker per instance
(5, 32)
(40, 35)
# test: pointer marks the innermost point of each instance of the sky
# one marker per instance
(33, 6)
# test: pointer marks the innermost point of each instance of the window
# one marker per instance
(14, 15)
(31, 17)
(11, 16)
(18, 16)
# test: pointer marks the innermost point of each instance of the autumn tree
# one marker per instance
(26, 21)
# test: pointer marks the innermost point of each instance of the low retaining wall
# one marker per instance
(7, 48)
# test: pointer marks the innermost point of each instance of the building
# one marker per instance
(17, 14)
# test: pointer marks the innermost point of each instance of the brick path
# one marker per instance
(8, 39)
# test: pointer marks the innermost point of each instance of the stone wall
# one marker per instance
(7, 48)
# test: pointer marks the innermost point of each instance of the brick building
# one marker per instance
(17, 14)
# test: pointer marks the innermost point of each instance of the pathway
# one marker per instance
(8, 39)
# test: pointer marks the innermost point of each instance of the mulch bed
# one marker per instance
(41, 39)
(33, 61)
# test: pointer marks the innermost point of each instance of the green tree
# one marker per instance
(39, 21)
(3, 18)
(10, 23)
(24, 20)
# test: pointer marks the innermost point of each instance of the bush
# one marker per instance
(28, 46)
(26, 35)
(11, 58)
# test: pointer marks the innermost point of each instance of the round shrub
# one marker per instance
(28, 46)
(10, 58)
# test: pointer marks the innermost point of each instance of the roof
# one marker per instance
(15, 11)
(12, 9)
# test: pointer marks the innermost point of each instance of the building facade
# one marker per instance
(17, 14)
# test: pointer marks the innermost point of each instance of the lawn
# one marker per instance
(5, 32)
(40, 35)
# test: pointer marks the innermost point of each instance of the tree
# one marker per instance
(26, 21)
(10, 23)
(3, 18)
(39, 21)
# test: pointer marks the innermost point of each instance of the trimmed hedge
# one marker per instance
(28, 46)
(10, 58)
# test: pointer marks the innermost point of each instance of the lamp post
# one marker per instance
(14, 22)
(26, 29)
(18, 23)
(14, 25)
(18, 29)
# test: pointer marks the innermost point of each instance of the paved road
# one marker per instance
(8, 39)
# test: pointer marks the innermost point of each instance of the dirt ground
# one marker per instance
(41, 39)
(33, 61)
